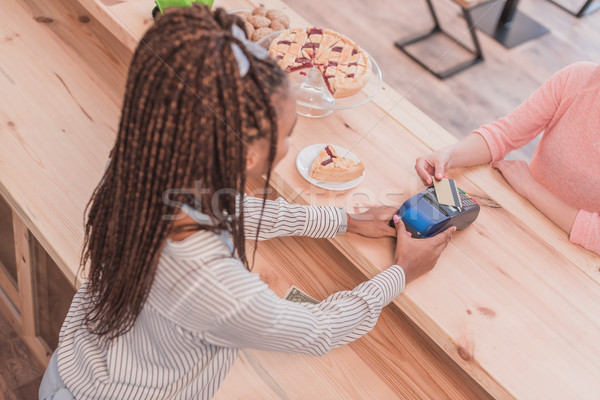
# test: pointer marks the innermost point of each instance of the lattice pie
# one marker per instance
(345, 66)
(330, 166)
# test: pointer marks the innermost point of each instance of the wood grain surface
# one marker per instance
(58, 126)
(422, 370)
(511, 300)
(395, 360)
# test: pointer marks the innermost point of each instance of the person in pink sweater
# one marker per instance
(563, 178)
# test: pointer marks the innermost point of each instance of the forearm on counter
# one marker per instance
(557, 210)
(472, 150)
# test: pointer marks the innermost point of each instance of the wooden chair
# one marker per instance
(465, 6)
(586, 9)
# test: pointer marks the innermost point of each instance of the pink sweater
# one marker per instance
(567, 159)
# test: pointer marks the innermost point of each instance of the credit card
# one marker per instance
(447, 193)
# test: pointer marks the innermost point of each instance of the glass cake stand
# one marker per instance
(314, 100)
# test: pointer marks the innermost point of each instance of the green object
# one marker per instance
(164, 4)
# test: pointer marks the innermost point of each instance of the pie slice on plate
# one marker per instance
(329, 166)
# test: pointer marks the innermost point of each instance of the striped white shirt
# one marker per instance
(204, 306)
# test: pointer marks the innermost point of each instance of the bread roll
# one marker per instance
(262, 11)
(249, 30)
(259, 22)
(278, 25)
(261, 33)
(274, 14)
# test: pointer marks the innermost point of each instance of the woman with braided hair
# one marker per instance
(169, 299)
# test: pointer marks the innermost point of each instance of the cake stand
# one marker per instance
(313, 98)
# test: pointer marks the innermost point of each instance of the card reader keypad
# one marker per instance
(466, 201)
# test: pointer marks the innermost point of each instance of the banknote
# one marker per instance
(296, 295)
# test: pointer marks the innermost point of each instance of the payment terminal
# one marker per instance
(424, 216)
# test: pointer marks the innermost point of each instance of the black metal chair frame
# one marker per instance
(402, 44)
(586, 9)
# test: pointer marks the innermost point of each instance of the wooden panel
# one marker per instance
(53, 295)
(8, 262)
(39, 349)
(7, 286)
(26, 291)
(20, 371)
(10, 283)
(25, 278)
(8, 308)
(10, 298)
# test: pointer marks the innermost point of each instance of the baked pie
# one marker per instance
(344, 65)
(331, 167)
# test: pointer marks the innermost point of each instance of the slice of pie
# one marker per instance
(331, 167)
(344, 65)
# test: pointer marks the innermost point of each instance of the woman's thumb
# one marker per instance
(445, 236)
(399, 225)
(440, 169)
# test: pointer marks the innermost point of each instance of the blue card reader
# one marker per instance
(424, 217)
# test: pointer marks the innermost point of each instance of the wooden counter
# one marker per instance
(511, 301)
(54, 47)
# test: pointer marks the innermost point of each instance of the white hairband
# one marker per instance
(254, 49)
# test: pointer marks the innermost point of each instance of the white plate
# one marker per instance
(307, 156)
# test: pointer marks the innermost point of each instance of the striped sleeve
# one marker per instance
(264, 321)
(283, 219)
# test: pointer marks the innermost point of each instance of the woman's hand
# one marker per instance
(472, 150)
(433, 164)
(373, 222)
(518, 175)
(418, 256)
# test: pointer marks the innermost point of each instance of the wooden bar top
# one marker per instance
(511, 300)
(395, 360)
